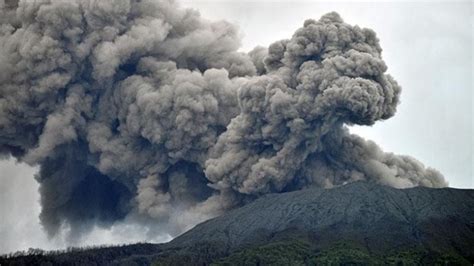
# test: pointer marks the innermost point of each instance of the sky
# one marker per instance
(427, 47)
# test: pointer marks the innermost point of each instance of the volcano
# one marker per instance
(358, 223)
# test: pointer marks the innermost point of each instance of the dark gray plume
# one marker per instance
(145, 109)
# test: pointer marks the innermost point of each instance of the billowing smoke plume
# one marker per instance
(143, 109)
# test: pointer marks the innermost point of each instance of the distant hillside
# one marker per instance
(360, 223)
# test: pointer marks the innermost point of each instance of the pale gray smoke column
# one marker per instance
(144, 109)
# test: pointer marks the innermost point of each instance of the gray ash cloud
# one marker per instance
(144, 109)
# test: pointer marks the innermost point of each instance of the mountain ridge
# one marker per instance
(361, 223)
(314, 209)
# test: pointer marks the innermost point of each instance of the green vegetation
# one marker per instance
(279, 253)
(202, 254)
(344, 254)
(99, 255)
(420, 257)
(291, 251)
(302, 252)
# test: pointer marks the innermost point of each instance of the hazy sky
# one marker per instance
(427, 47)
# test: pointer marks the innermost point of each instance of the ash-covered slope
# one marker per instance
(379, 218)
(361, 223)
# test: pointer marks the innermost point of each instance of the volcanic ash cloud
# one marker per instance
(144, 110)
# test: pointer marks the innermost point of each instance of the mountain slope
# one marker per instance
(376, 217)
(359, 223)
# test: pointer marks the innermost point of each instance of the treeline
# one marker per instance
(38, 251)
(288, 251)
(90, 255)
